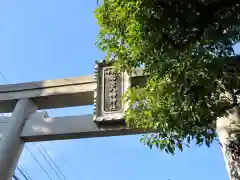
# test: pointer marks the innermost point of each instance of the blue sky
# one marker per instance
(51, 39)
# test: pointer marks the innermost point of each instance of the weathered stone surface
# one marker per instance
(111, 85)
(49, 94)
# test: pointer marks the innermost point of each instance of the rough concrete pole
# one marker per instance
(11, 144)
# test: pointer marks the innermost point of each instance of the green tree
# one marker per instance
(186, 49)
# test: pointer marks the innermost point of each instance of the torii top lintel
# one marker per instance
(66, 92)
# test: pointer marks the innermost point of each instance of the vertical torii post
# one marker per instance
(11, 144)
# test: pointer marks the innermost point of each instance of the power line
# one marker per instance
(48, 161)
(18, 166)
(38, 163)
(15, 177)
(25, 175)
(63, 158)
(21, 169)
(53, 161)
(4, 78)
(22, 173)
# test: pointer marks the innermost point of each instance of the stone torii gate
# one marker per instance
(103, 89)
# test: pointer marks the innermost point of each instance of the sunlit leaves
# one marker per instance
(186, 49)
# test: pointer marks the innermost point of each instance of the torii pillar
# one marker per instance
(104, 90)
(11, 144)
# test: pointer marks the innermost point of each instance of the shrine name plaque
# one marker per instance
(111, 85)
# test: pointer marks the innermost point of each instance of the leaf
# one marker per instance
(187, 70)
(171, 149)
(155, 143)
(162, 145)
(142, 140)
(180, 146)
(188, 139)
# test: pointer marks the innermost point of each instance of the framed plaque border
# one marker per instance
(99, 114)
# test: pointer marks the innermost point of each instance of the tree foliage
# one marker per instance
(186, 50)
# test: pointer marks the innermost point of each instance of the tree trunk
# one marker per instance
(228, 130)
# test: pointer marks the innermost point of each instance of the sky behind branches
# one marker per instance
(51, 39)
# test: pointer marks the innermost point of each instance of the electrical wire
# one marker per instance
(15, 177)
(63, 157)
(24, 174)
(4, 78)
(38, 162)
(21, 169)
(48, 161)
(44, 149)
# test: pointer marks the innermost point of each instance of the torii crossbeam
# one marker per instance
(103, 90)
